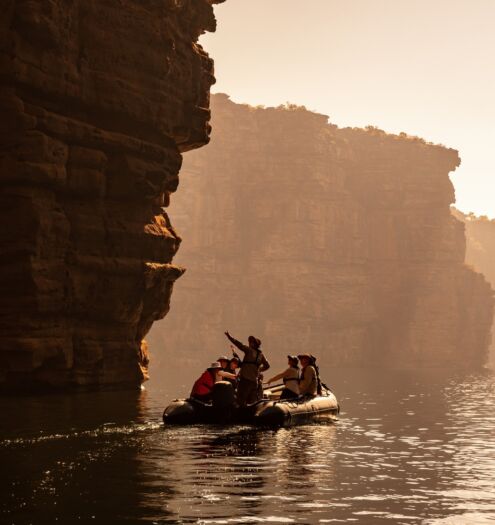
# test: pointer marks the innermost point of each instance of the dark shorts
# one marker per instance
(288, 394)
(247, 392)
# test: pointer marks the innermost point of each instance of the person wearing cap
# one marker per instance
(224, 362)
(308, 383)
(233, 368)
(203, 386)
(290, 378)
(252, 365)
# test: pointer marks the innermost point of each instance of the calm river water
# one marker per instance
(409, 448)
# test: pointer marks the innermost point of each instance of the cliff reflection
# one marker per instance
(74, 457)
(306, 457)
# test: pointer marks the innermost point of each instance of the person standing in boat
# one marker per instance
(203, 386)
(252, 365)
(308, 383)
(290, 378)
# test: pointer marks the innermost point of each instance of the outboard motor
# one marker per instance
(223, 400)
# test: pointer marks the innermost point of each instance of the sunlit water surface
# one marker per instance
(408, 449)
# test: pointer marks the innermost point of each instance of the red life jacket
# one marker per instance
(203, 385)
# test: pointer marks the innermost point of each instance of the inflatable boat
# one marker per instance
(269, 411)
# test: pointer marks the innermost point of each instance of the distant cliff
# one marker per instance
(480, 250)
(335, 241)
(98, 99)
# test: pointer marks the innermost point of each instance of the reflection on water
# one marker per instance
(407, 449)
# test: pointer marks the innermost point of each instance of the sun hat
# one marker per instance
(214, 365)
(256, 341)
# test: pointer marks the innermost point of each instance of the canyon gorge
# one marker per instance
(335, 241)
(339, 242)
(480, 250)
(99, 99)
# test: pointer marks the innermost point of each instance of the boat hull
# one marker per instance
(298, 412)
(192, 412)
(264, 413)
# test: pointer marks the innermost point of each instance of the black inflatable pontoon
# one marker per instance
(270, 411)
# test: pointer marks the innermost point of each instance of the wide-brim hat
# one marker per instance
(257, 341)
(223, 358)
(214, 365)
(293, 358)
(302, 356)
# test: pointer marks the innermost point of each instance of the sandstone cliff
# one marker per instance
(334, 241)
(98, 100)
(480, 250)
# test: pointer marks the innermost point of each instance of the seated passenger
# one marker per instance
(234, 366)
(224, 362)
(231, 370)
(290, 378)
(308, 384)
(203, 386)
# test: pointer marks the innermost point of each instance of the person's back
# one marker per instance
(251, 364)
(254, 362)
(203, 386)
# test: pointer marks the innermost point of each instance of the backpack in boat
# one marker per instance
(319, 389)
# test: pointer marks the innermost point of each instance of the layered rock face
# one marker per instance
(98, 100)
(335, 241)
(480, 251)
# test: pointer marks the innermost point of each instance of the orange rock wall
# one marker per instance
(98, 99)
(334, 241)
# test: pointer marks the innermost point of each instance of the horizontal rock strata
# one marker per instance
(315, 238)
(480, 252)
(98, 100)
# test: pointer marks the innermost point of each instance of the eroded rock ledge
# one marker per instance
(334, 241)
(98, 99)
(480, 252)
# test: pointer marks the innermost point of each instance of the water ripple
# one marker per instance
(406, 450)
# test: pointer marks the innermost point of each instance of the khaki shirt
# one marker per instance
(253, 363)
(308, 385)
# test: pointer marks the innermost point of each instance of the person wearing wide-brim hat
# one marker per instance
(203, 386)
(249, 389)
(308, 383)
(290, 378)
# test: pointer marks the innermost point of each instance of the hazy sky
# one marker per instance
(425, 67)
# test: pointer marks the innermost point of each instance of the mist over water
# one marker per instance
(410, 447)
